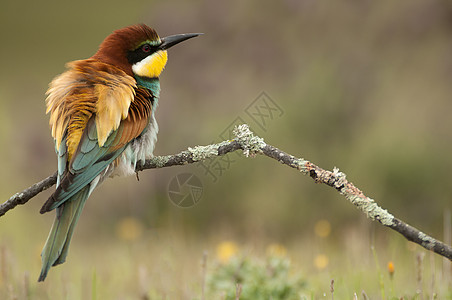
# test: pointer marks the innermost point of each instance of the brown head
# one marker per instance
(138, 50)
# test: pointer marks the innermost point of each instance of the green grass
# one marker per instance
(168, 263)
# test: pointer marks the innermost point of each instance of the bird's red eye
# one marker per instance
(146, 48)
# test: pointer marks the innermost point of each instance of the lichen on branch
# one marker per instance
(251, 145)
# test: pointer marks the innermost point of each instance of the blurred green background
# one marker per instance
(363, 85)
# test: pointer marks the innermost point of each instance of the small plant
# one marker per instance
(267, 278)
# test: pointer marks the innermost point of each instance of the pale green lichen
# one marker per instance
(160, 161)
(300, 164)
(340, 178)
(250, 143)
(427, 241)
(203, 152)
(371, 209)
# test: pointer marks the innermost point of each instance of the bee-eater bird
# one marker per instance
(102, 119)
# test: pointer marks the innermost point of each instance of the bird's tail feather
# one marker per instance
(57, 244)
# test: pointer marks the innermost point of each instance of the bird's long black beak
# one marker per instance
(172, 40)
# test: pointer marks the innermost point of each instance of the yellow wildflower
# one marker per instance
(321, 261)
(322, 228)
(276, 250)
(129, 229)
(226, 250)
(391, 268)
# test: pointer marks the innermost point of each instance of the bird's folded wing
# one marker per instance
(86, 164)
(90, 159)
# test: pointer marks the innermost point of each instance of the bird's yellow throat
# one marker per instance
(152, 66)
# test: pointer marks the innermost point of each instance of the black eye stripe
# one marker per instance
(140, 53)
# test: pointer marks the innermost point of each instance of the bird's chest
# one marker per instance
(138, 150)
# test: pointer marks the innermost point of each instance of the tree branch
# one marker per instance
(252, 145)
(27, 194)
